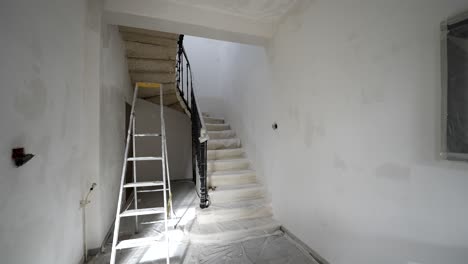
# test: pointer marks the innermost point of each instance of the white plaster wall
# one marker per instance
(179, 142)
(116, 90)
(40, 100)
(205, 59)
(353, 169)
(189, 19)
(90, 118)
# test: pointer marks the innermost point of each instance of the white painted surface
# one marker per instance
(355, 89)
(179, 142)
(90, 118)
(66, 105)
(116, 90)
(40, 100)
(260, 10)
(175, 17)
(205, 59)
(106, 89)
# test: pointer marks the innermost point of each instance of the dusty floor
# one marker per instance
(275, 249)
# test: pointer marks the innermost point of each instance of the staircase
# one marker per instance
(233, 205)
(238, 208)
(152, 58)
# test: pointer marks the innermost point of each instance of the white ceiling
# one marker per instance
(261, 10)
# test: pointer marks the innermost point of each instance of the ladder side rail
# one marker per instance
(163, 134)
(171, 207)
(135, 195)
(166, 160)
(122, 181)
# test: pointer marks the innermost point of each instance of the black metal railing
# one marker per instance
(184, 84)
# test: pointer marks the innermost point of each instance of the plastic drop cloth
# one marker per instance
(272, 249)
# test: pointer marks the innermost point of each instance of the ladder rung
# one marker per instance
(143, 211)
(144, 158)
(153, 190)
(143, 184)
(148, 135)
(137, 242)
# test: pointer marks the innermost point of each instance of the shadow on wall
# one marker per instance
(179, 142)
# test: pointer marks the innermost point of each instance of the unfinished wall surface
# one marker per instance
(40, 100)
(116, 91)
(205, 58)
(353, 169)
(179, 142)
(174, 17)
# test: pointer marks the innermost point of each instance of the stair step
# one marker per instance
(238, 177)
(150, 65)
(232, 230)
(232, 193)
(212, 120)
(148, 135)
(143, 184)
(153, 77)
(223, 134)
(149, 51)
(234, 211)
(143, 211)
(138, 242)
(221, 154)
(227, 165)
(144, 158)
(231, 143)
(217, 127)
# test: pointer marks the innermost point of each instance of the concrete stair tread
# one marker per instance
(223, 134)
(231, 177)
(229, 160)
(253, 203)
(222, 131)
(228, 164)
(239, 187)
(230, 211)
(228, 173)
(217, 144)
(224, 140)
(217, 127)
(233, 230)
(225, 150)
(236, 192)
(223, 154)
(213, 120)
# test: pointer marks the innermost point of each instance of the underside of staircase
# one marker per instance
(239, 209)
(151, 58)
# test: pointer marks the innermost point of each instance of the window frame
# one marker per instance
(444, 28)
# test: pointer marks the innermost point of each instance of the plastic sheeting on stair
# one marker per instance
(229, 143)
(233, 230)
(273, 249)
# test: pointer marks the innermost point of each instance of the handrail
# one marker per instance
(200, 136)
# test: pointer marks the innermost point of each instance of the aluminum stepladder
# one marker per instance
(164, 184)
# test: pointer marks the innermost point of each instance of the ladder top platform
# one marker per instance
(148, 85)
